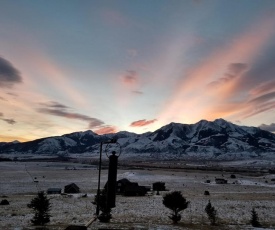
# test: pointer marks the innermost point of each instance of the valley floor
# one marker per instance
(233, 201)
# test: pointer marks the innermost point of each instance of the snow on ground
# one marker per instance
(232, 201)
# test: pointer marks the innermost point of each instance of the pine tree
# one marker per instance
(41, 207)
(211, 213)
(254, 219)
(105, 214)
(177, 203)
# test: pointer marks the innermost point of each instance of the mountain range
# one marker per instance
(219, 139)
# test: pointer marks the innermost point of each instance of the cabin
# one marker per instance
(220, 181)
(128, 188)
(121, 185)
(71, 188)
(159, 186)
(54, 191)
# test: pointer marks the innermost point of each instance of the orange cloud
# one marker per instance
(106, 130)
(142, 123)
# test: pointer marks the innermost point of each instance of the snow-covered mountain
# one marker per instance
(204, 140)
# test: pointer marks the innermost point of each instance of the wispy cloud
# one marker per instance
(54, 104)
(232, 81)
(137, 92)
(270, 128)
(106, 130)
(234, 70)
(143, 122)
(58, 109)
(130, 78)
(263, 88)
(9, 75)
(9, 121)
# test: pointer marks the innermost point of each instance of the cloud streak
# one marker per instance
(9, 121)
(143, 122)
(57, 109)
(9, 75)
(106, 130)
(222, 70)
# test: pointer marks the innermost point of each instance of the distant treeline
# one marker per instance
(5, 159)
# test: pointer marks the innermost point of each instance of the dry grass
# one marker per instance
(232, 201)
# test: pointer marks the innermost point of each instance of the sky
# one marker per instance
(134, 65)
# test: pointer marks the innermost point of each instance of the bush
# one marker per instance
(101, 201)
(175, 202)
(4, 202)
(41, 207)
(211, 213)
(254, 219)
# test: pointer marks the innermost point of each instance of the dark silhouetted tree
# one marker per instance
(211, 213)
(254, 219)
(41, 207)
(176, 203)
(101, 201)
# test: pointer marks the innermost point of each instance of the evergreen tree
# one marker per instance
(175, 202)
(254, 219)
(211, 213)
(101, 201)
(41, 207)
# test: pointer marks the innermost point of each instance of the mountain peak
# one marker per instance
(218, 139)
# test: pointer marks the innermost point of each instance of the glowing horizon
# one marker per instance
(134, 66)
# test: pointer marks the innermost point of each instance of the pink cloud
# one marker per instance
(142, 123)
(106, 130)
(263, 88)
(130, 79)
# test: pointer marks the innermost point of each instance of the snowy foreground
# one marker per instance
(232, 201)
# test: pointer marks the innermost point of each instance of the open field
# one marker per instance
(232, 201)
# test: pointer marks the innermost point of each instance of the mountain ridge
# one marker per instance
(218, 139)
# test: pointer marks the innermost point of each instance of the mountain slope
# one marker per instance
(217, 139)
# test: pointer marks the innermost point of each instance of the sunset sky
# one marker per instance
(134, 65)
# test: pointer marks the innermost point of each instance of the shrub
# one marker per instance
(254, 219)
(211, 213)
(41, 207)
(101, 201)
(175, 202)
(4, 202)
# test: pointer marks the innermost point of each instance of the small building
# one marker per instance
(159, 186)
(121, 185)
(71, 188)
(128, 188)
(54, 191)
(220, 181)
(135, 190)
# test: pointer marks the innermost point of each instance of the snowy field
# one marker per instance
(233, 201)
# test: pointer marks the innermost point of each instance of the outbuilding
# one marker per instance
(71, 188)
(54, 191)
